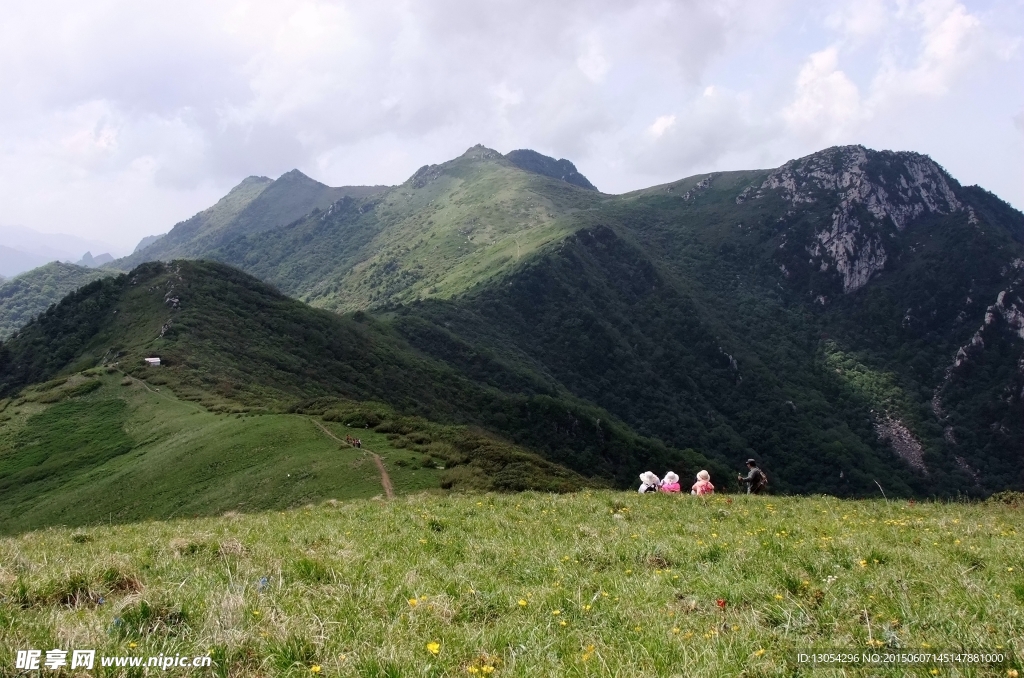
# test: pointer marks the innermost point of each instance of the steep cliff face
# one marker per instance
(869, 196)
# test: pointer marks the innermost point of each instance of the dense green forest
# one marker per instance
(32, 292)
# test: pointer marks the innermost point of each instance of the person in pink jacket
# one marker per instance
(703, 485)
(670, 483)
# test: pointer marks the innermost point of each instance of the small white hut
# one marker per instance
(153, 362)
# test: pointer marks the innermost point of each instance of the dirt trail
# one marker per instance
(385, 479)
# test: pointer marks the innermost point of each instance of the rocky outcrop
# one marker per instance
(872, 194)
(561, 169)
(893, 431)
(1007, 308)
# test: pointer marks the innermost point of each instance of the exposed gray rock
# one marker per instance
(876, 193)
(893, 431)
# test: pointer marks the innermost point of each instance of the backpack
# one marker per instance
(762, 481)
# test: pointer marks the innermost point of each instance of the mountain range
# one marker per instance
(853, 319)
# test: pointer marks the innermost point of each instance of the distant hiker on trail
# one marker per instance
(358, 442)
(755, 480)
(648, 482)
(703, 485)
(670, 483)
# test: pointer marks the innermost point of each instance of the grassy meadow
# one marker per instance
(104, 447)
(597, 583)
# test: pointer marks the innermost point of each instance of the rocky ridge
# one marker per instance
(874, 193)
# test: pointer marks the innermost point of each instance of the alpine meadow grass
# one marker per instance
(596, 583)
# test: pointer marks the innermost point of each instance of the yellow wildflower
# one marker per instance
(315, 668)
(522, 603)
(433, 648)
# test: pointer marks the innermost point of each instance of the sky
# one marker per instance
(120, 118)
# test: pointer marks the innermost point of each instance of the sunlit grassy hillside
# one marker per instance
(595, 583)
(101, 446)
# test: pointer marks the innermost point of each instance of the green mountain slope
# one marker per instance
(101, 447)
(235, 346)
(257, 204)
(32, 292)
(450, 227)
(817, 284)
(852, 318)
(562, 169)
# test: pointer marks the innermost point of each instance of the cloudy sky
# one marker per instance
(119, 118)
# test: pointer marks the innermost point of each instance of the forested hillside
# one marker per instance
(234, 345)
(32, 292)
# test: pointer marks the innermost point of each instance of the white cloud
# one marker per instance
(827, 102)
(951, 39)
(120, 118)
(860, 19)
(592, 61)
(661, 125)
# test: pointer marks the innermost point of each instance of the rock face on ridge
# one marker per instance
(532, 161)
(872, 194)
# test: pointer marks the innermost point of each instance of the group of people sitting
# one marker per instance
(755, 481)
(354, 442)
(649, 482)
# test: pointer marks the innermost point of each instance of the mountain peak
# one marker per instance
(480, 152)
(296, 177)
(871, 195)
(561, 169)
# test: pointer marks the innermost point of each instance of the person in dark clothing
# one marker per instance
(755, 480)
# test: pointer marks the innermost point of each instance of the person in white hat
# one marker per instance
(703, 485)
(648, 482)
(670, 483)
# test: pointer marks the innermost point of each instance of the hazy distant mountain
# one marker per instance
(49, 246)
(146, 242)
(89, 261)
(14, 261)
